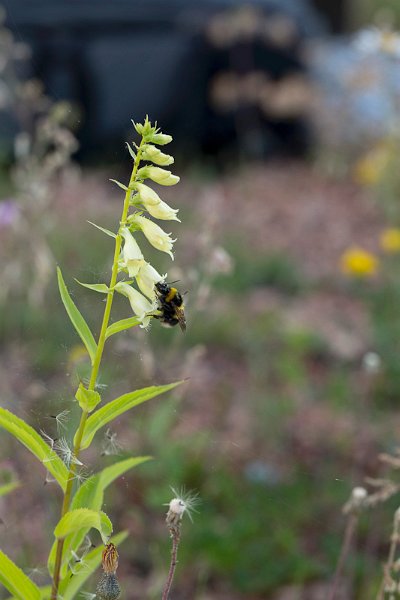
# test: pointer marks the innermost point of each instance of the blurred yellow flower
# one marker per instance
(358, 262)
(370, 168)
(390, 240)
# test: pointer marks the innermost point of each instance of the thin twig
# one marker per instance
(344, 552)
(176, 537)
(387, 578)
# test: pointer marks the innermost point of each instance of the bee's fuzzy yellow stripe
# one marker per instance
(171, 294)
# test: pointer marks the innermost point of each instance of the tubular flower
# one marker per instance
(161, 139)
(390, 240)
(139, 304)
(153, 203)
(147, 278)
(155, 155)
(358, 262)
(161, 176)
(163, 211)
(155, 235)
(131, 255)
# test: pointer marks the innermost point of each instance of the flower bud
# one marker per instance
(139, 304)
(161, 176)
(155, 155)
(131, 255)
(155, 235)
(161, 139)
(147, 278)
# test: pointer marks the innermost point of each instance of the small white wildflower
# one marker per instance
(139, 304)
(147, 278)
(157, 237)
(371, 362)
(131, 255)
(373, 40)
(359, 494)
(155, 155)
(161, 176)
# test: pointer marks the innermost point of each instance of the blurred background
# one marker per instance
(285, 117)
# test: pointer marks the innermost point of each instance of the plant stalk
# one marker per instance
(95, 371)
(176, 538)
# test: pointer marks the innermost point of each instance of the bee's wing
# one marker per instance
(180, 315)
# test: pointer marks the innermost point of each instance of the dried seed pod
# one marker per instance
(108, 586)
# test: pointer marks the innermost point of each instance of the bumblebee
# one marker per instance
(170, 305)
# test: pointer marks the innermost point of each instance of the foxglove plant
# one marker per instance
(82, 499)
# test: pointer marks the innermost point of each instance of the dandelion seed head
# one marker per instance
(183, 502)
(110, 446)
(61, 420)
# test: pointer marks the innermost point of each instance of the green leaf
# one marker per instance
(106, 231)
(15, 580)
(120, 185)
(84, 518)
(77, 320)
(130, 150)
(91, 495)
(117, 407)
(88, 399)
(121, 325)
(25, 434)
(96, 287)
(70, 586)
(6, 488)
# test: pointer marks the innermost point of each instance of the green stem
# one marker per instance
(95, 371)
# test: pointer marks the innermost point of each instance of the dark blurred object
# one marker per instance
(218, 74)
(336, 13)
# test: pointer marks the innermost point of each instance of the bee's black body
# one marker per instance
(170, 305)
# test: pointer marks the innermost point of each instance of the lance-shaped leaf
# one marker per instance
(117, 407)
(70, 586)
(102, 288)
(25, 434)
(77, 320)
(106, 231)
(84, 518)
(91, 495)
(122, 325)
(15, 580)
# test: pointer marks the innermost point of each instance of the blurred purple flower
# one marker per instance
(9, 212)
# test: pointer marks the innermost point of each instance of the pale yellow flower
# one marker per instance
(139, 304)
(161, 176)
(358, 262)
(157, 237)
(390, 240)
(131, 256)
(370, 168)
(147, 278)
(155, 155)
